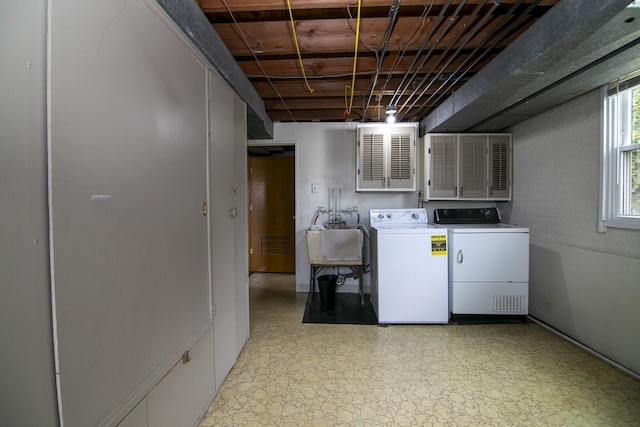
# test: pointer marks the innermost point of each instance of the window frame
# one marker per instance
(616, 141)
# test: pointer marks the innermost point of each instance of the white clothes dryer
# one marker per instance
(488, 263)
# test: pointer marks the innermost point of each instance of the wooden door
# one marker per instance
(271, 214)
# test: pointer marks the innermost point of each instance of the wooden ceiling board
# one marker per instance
(425, 57)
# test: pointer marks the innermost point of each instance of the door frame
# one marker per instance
(264, 143)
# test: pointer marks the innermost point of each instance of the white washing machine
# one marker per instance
(409, 280)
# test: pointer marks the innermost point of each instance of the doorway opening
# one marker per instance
(271, 193)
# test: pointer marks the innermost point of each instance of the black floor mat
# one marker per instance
(347, 311)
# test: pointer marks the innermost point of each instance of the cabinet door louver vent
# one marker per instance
(474, 166)
(443, 173)
(373, 157)
(499, 167)
(400, 156)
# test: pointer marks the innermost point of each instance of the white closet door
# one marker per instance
(128, 179)
(222, 220)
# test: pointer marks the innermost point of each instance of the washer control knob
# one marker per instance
(414, 215)
(380, 216)
(389, 216)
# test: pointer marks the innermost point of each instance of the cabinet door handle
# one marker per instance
(460, 256)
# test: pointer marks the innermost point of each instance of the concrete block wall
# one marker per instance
(581, 280)
(557, 178)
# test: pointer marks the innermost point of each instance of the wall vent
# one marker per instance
(275, 245)
(509, 304)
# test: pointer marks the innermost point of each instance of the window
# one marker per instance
(621, 155)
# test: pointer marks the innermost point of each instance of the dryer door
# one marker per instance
(489, 257)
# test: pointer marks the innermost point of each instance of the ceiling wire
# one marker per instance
(365, 44)
(469, 35)
(248, 45)
(449, 22)
(413, 37)
(375, 52)
(404, 45)
(295, 39)
(435, 25)
(514, 24)
(467, 59)
(349, 104)
(354, 30)
(393, 19)
(322, 77)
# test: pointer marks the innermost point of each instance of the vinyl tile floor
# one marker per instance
(295, 374)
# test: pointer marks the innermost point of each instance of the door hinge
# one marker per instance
(204, 208)
(251, 251)
(186, 357)
(213, 310)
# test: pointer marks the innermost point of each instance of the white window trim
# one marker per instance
(610, 190)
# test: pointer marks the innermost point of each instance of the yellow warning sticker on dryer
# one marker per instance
(439, 244)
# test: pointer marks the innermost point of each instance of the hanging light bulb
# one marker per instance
(391, 114)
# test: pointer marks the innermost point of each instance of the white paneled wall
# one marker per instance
(27, 376)
(113, 119)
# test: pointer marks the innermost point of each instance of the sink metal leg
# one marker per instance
(361, 285)
(312, 284)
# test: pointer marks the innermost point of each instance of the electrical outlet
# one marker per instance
(314, 188)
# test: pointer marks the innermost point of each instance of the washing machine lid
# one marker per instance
(474, 220)
(467, 216)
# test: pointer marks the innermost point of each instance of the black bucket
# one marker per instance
(327, 286)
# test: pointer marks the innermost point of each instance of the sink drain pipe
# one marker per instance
(341, 277)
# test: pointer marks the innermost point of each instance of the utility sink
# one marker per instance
(341, 246)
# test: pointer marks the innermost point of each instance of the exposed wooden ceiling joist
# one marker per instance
(433, 48)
